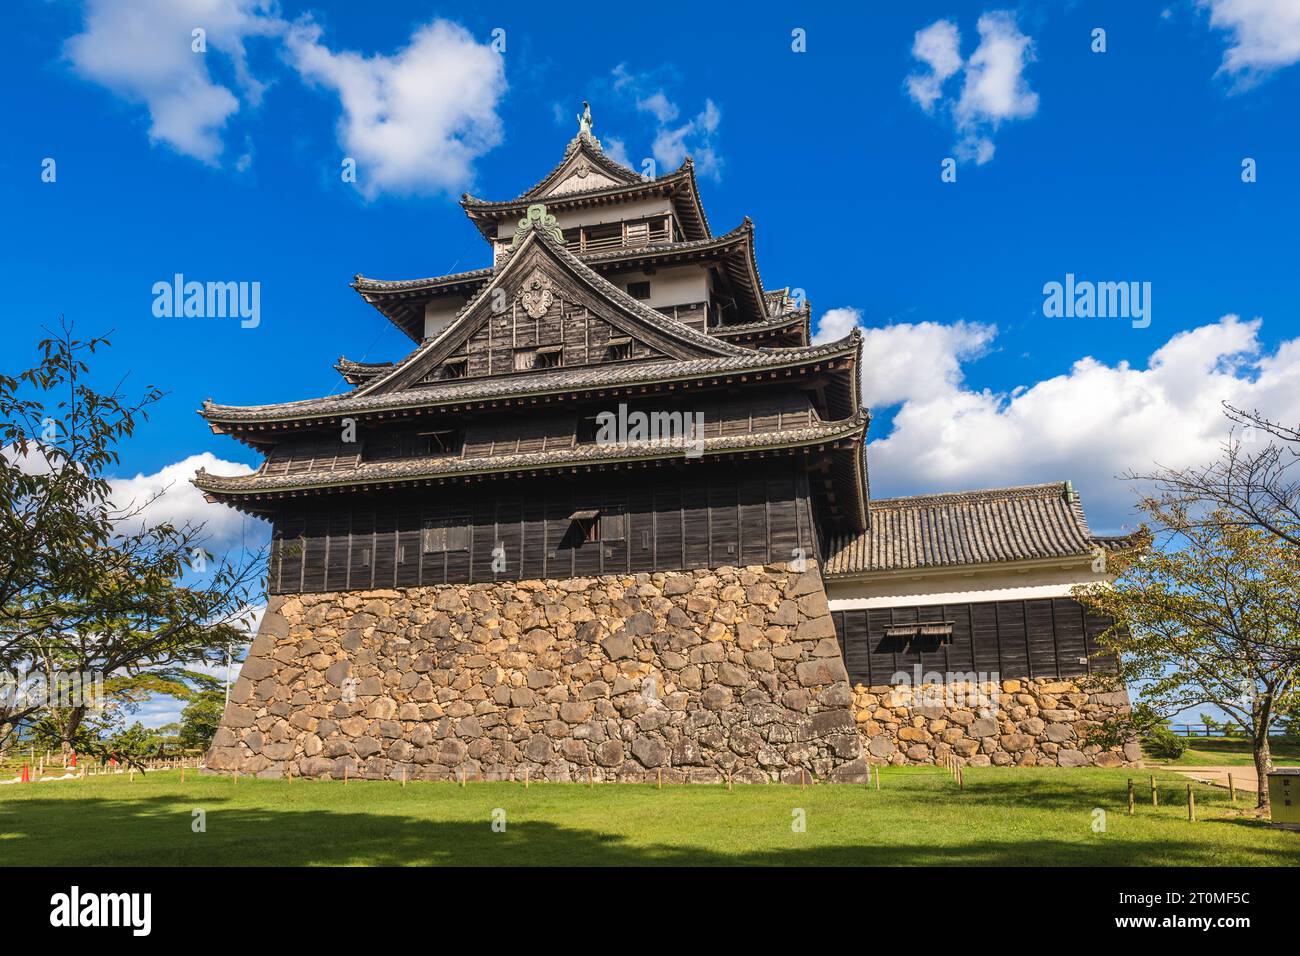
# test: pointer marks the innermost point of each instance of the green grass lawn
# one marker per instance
(1004, 816)
(1229, 752)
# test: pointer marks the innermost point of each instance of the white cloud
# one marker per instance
(142, 52)
(893, 355)
(994, 89)
(937, 46)
(1265, 36)
(180, 502)
(415, 121)
(673, 141)
(695, 137)
(1090, 424)
(616, 149)
(664, 110)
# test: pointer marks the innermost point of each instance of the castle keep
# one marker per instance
(611, 516)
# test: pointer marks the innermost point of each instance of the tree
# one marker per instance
(1204, 613)
(87, 586)
(202, 716)
(1254, 483)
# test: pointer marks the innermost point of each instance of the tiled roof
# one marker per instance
(590, 148)
(531, 383)
(680, 182)
(415, 469)
(365, 285)
(989, 526)
(749, 328)
(356, 372)
(636, 181)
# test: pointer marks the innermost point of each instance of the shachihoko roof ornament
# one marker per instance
(585, 124)
(537, 218)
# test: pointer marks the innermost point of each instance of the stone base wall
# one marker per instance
(695, 674)
(1027, 723)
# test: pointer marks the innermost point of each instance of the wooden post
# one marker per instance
(728, 781)
(132, 775)
(1232, 791)
(659, 785)
(803, 778)
(1131, 797)
(403, 775)
(525, 778)
(961, 780)
(345, 775)
(877, 776)
(182, 773)
(590, 779)
(1155, 800)
(1191, 804)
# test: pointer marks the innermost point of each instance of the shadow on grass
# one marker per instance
(156, 832)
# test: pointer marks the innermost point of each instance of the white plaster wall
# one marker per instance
(1003, 583)
(438, 312)
(677, 286)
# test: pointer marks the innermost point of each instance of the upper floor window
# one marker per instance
(615, 235)
(638, 290)
(397, 444)
(547, 356)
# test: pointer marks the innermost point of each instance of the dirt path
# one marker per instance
(1243, 778)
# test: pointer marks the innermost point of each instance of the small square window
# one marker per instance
(441, 442)
(638, 290)
(549, 357)
(439, 536)
(524, 359)
(455, 368)
(585, 527)
(619, 349)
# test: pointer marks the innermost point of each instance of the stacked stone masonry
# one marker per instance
(1027, 723)
(697, 676)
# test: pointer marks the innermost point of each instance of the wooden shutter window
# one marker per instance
(445, 535)
(458, 536)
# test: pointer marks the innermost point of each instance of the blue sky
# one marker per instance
(1123, 165)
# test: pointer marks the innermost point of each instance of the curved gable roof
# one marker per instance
(678, 340)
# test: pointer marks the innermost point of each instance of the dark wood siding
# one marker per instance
(656, 521)
(1014, 639)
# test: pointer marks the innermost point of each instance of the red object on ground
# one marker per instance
(27, 774)
(73, 764)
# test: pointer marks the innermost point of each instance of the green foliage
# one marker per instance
(135, 743)
(87, 585)
(1163, 743)
(1226, 728)
(1207, 617)
(200, 719)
